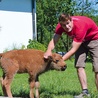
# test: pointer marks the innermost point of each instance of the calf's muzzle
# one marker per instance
(63, 68)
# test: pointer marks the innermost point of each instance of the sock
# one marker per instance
(85, 91)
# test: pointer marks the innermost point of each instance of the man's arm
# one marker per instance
(51, 45)
(75, 46)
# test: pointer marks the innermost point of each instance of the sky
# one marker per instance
(93, 3)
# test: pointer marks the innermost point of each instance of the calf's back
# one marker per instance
(23, 60)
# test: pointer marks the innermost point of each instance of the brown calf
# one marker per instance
(27, 61)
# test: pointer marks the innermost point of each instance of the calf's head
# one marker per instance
(57, 62)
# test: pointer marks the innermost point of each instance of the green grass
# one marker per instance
(55, 84)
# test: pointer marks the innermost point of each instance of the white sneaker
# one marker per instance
(82, 95)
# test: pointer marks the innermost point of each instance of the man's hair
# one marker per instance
(64, 17)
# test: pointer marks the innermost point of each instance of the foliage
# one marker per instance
(15, 47)
(95, 19)
(33, 44)
(55, 84)
(64, 44)
(47, 17)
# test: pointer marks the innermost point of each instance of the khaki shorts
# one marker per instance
(82, 52)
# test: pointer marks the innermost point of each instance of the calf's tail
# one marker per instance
(0, 57)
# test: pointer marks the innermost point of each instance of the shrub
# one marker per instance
(14, 47)
(33, 44)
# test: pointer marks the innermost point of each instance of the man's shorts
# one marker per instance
(81, 54)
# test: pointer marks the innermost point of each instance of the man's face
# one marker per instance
(67, 25)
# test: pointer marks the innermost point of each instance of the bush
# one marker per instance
(14, 47)
(33, 44)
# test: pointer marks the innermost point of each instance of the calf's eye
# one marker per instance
(57, 61)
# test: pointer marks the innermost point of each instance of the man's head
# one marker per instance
(66, 22)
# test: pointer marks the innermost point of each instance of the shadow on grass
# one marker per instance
(22, 95)
(45, 93)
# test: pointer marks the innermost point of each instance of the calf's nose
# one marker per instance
(63, 68)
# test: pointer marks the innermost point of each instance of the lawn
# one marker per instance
(55, 84)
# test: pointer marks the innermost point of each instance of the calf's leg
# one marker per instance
(32, 85)
(6, 86)
(3, 87)
(37, 85)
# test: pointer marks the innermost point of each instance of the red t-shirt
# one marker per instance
(84, 29)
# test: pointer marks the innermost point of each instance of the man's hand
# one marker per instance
(47, 54)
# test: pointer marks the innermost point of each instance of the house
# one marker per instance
(17, 23)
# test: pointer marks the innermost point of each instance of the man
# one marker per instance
(84, 33)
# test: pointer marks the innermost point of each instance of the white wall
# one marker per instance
(15, 23)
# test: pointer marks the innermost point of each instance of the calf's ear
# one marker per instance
(50, 58)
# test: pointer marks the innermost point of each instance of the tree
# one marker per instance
(47, 17)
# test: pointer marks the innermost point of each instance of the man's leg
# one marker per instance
(83, 81)
(96, 79)
(82, 77)
(93, 48)
(80, 58)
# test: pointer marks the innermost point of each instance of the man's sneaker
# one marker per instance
(82, 95)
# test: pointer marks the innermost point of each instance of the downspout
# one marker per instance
(34, 19)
